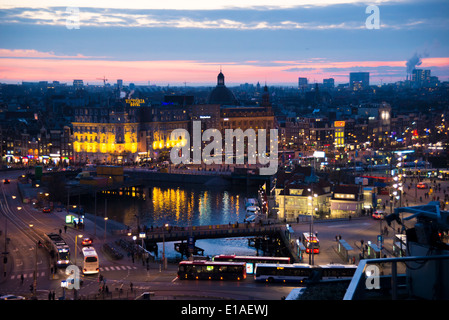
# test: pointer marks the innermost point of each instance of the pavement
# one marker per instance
(119, 274)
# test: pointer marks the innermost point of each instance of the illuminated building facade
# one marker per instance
(105, 135)
(55, 146)
(358, 80)
(339, 134)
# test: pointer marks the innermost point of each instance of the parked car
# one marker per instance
(422, 185)
(378, 214)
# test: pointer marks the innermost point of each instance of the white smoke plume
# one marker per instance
(414, 61)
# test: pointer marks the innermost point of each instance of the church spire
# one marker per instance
(220, 79)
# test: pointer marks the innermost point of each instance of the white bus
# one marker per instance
(90, 261)
(302, 273)
(278, 272)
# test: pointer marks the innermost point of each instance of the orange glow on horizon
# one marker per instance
(193, 72)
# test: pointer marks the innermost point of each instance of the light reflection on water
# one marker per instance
(179, 206)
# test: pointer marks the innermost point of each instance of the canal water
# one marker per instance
(179, 206)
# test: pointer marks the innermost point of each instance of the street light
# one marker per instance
(105, 220)
(164, 259)
(76, 245)
(142, 236)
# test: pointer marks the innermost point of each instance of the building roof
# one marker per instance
(347, 189)
(221, 94)
(299, 178)
(355, 190)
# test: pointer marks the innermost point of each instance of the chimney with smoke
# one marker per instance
(414, 61)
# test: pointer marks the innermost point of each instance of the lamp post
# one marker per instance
(105, 221)
(314, 209)
(105, 216)
(416, 189)
(142, 236)
(76, 246)
(310, 198)
(164, 259)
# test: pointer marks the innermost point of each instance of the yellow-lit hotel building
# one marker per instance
(125, 134)
(103, 135)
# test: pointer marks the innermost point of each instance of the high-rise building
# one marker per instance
(78, 83)
(358, 80)
(302, 83)
(329, 83)
(420, 77)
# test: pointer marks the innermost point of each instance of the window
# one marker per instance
(344, 196)
(91, 259)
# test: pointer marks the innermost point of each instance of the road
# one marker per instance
(25, 225)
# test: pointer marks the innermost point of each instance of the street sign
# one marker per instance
(380, 241)
(191, 243)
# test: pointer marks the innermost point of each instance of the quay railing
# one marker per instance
(365, 280)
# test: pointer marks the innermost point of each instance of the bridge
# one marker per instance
(172, 233)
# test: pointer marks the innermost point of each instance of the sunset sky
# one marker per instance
(172, 42)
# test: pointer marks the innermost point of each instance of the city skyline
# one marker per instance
(186, 44)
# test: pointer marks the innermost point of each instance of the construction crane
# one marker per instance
(104, 80)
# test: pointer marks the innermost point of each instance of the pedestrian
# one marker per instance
(131, 286)
(21, 279)
(60, 231)
(53, 295)
(65, 229)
